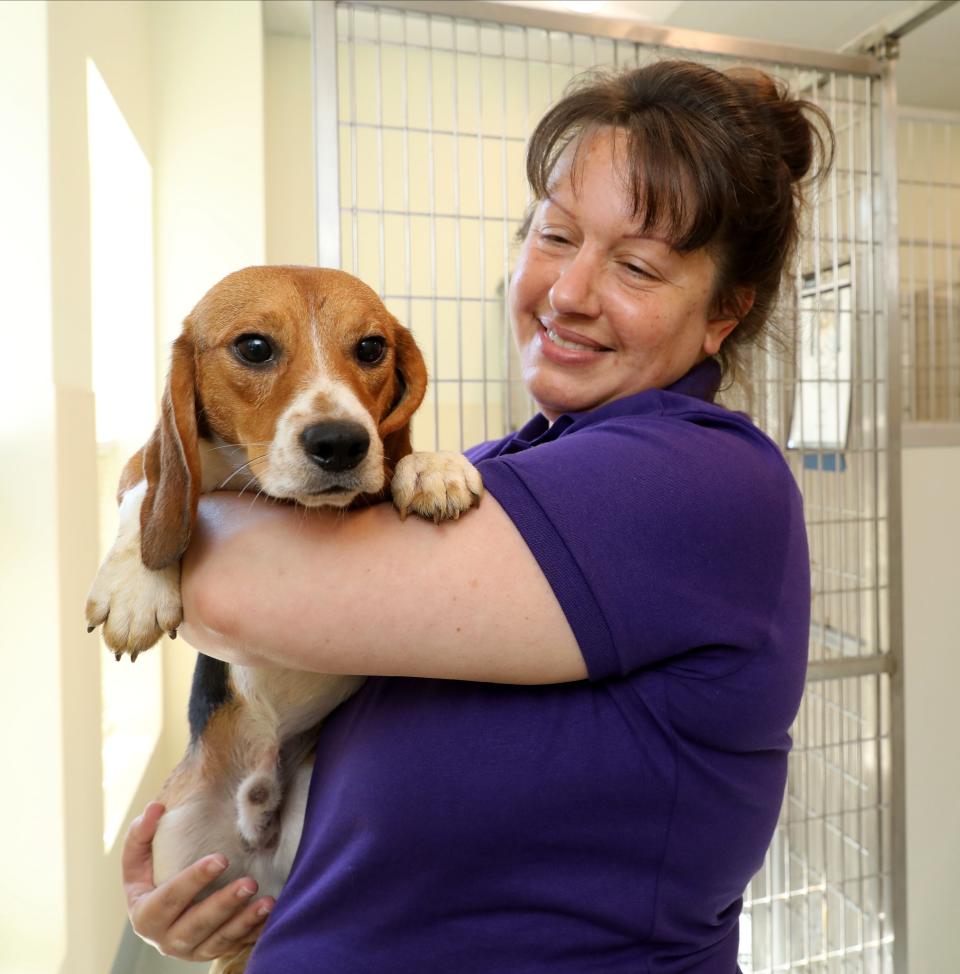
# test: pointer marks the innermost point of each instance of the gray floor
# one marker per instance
(153, 963)
(136, 957)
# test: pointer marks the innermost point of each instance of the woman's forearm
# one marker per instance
(368, 594)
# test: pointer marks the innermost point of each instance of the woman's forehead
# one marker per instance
(660, 201)
(599, 148)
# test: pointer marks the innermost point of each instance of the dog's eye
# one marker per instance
(370, 350)
(254, 349)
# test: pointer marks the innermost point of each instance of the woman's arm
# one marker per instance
(368, 594)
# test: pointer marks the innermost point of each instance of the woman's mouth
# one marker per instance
(552, 340)
(563, 343)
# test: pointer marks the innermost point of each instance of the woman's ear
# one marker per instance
(726, 316)
(171, 463)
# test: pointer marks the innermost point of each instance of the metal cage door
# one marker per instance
(423, 110)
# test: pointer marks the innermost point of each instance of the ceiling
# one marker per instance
(928, 69)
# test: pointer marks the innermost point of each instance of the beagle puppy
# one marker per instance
(294, 382)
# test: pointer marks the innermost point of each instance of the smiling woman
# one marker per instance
(572, 751)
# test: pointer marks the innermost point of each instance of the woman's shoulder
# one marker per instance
(679, 440)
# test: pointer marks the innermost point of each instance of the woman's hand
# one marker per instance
(165, 915)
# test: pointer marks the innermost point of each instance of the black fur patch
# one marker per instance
(208, 692)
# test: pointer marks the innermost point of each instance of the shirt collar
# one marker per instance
(701, 382)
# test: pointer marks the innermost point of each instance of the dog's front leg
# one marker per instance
(135, 604)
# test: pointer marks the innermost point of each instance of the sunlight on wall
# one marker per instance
(122, 312)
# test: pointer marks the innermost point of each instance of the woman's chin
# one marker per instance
(554, 402)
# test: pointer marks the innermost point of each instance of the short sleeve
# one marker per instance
(659, 535)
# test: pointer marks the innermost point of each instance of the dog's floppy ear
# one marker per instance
(411, 386)
(171, 463)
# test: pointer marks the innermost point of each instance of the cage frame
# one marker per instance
(881, 72)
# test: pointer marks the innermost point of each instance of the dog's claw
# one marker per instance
(90, 628)
(134, 655)
(118, 655)
(172, 634)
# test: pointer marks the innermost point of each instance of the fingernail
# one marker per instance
(216, 866)
(244, 892)
(264, 910)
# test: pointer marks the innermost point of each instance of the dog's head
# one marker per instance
(304, 371)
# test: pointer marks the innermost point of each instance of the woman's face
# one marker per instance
(599, 310)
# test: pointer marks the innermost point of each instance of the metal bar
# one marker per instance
(895, 517)
(505, 244)
(326, 134)
(407, 220)
(354, 154)
(839, 485)
(482, 209)
(912, 377)
(457, 244)
(953, 360)
(837, 669)
(932, 380)
(870, 462)
(675, 38)
(896, 26)
(432, 190)
(381, 199)
(858, 474)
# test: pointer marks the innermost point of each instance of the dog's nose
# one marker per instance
(336, 446)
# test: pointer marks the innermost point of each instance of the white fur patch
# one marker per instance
(135, 604)
(290, 472)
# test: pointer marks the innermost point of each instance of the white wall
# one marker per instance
(189, 80)
(64, 910)
(931, 541)
(207, 77)
(32, 915)
(288, 110)
(208, 87)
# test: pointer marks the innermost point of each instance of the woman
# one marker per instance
(573, 753)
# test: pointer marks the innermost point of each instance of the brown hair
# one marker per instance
(719, 160)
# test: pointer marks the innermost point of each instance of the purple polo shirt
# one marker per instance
(609, 825)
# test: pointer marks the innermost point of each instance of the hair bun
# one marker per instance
(802, 129)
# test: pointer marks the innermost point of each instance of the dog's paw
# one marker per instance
(438, 486)
(134, 604)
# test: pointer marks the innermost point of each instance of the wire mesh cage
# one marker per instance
(433, 112)
(929, 189)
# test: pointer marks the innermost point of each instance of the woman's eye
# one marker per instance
(254, 349)
(637, 271)
(370, 350)
(553, 238)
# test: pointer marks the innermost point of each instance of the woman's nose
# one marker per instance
(574, 292)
